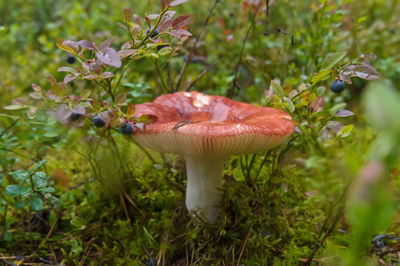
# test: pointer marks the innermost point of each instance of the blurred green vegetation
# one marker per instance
(329, 195)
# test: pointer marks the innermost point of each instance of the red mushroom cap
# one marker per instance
(195, 124)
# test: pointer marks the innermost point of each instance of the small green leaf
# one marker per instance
(51, 134)
(337, 107)
(15, 107)
(345, 131)
(36, 203)
(38, 165)
(332, 60)
(321, 76)
(276, 87)
(7, 236)
(13, 190)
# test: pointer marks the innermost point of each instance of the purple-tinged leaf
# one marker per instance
(107, 75)
(180, 34)
(135, 30)
(127, 52)
(137, 19)
(344, 77)
(78, 109)
(19, 101)
(126, 45)
(371, 56)
(109, 57)
(66, 69)
(106, 44)
(153, 16)
(165, 25)
(334, 126)
(177, 2)
(364, 71)
(344, 113)
(168, 15)
(71, 44)
(87, 45)
(317, 105)
(35, 95)
(90, 77)
(181, 21)
(69, 77)
(36, 87)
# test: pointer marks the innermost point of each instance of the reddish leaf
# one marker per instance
(36, 87)
(127, 13)
(177, 2)
(181, 21)
(131, 110)
(317, 105)
(164, 4)
(109, 57)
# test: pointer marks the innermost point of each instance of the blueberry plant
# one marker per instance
(102, 68)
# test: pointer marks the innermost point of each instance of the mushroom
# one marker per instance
(206, 130)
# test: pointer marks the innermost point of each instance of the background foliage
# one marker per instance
(75, 194)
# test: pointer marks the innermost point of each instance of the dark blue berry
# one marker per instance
(74, 117)
(159, 47)
(126, 130)
(380, 244)
(151, 262)
(98, 122)
(70, 59)
(154, 34)
(337, 86)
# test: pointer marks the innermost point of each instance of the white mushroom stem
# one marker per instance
(204, 182)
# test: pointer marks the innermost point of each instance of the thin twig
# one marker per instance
(199, 36)
(243, 246)
(205, 71)
(124, 205)
(132, 202)
(9, 127)
(231, 92)
(337, 217)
